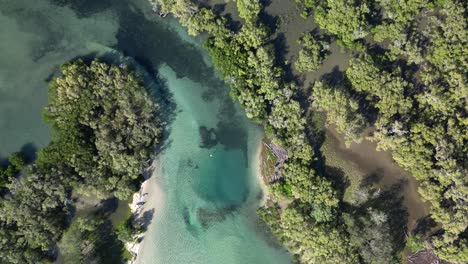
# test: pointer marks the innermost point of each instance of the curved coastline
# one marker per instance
(153, 196)
(258, 172)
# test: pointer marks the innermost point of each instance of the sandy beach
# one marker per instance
(148, 201)
(258, 172)
(151, 198)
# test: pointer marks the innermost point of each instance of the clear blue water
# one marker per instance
(207, 166)
(209, 193)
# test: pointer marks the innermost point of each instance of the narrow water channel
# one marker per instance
(206, 170)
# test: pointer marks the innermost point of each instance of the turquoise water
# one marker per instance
(206, 173)
(35, 38)
(210, 194)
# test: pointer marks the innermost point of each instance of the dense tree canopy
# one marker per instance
(371, 233)
(247, 62)
(408, 76)
(92, 240)
(312, 54)
(341, 109)
(416, 80)
(104, 127)
(16, 162)
(33, 217)
(308, 241)
(347, 19)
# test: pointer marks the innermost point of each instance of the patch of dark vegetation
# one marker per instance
(207, 217)
(378, 225)
(208, 137)
(425, 226)
(189, 224)
(90, 240)
(104, 160)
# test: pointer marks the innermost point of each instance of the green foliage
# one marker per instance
(312, 54)
(195, 19)
(371, 234)
(249, 9)
(415, 243)
(253, 36)
(205, 20)
(282, 189)
(309, 188)
(346, 19)
(322, 213)
(309, 242)
(33, 218)
(419, 111)
(387, 89)
(91, 240)
(341, 110)
(414, 86)
(451, 247)
(17, 161)
(127, 230)
(184, 10)
(308, 6)
(247, 62)
(104, 126)
(396, 15)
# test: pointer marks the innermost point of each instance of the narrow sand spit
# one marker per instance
(149, 198)
(258, 172)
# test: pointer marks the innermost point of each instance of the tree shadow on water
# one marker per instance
(334, 78)
(271, 22)
(281, 50)
(4, 162)
(108, 248)
(372, 179)
(107, 206)
(424, 226)
(219, 8)
(338, 178)
(85, 8)
(208, 137)
(390, 201)
(161, 94)
(207, 217)
(28, 150)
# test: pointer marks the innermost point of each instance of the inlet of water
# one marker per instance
(206, 173)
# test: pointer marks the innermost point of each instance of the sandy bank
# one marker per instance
(145, 205)
(258, 171)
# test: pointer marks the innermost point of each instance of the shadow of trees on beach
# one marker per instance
(145, 219)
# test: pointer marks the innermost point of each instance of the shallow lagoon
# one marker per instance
(207, 165)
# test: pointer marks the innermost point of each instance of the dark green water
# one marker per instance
(208, 189)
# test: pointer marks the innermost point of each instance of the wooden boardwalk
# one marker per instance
(281, 156)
